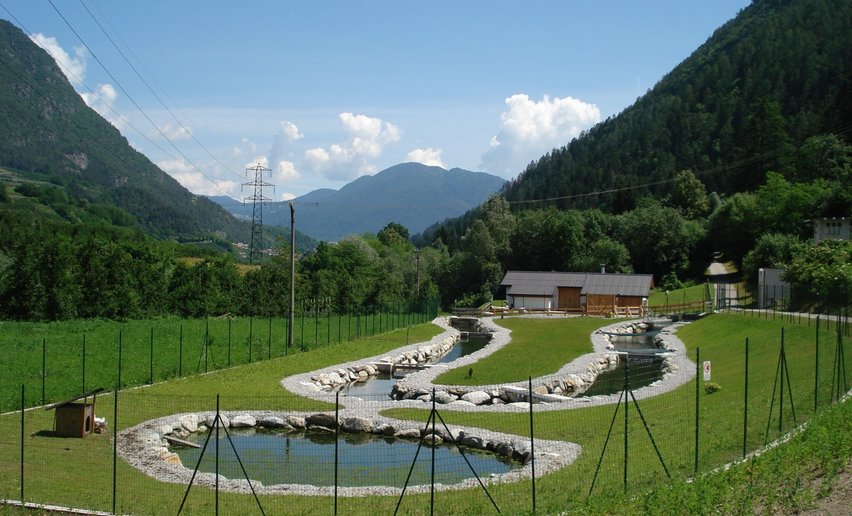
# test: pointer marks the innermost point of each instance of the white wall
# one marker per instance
(532, 302)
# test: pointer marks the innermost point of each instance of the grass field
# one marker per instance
(53, 466)
(67, 358)
(679, 296)
(538, 347)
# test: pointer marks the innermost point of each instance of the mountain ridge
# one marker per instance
(411, 194)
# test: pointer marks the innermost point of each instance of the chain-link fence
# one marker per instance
(445, 451)
(60, 360)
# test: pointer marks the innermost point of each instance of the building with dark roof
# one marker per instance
(575, 291)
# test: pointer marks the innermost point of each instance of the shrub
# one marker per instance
(711, 387)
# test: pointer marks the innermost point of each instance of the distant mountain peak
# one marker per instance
(412, 194)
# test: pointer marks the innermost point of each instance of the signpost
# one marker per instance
(707, 371)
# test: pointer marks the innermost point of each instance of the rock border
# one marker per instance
(145, 447)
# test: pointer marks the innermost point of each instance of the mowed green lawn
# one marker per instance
(671, 417)
(78, 471)
(538, 347)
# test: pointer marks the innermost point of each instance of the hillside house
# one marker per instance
(576, 291)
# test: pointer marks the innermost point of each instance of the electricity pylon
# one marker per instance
(257, 198)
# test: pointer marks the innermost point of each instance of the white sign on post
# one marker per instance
(707, 371)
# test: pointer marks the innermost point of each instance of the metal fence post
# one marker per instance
(816, 368)
(251, 336)
(115, 450)
(336, 444)
(626, 406)
(180, 352)
(43, 367)
(745, 403)
(697, 402)
(23, 404)
(119, 360)
(151, 361)
(84, 363)
(532, 443)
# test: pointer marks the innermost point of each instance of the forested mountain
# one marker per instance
(48, 135)
(735, 151)
(779, 72)
(411, 194)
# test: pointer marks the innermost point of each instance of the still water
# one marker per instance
(364, 459)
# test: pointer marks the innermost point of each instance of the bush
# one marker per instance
(711, 387)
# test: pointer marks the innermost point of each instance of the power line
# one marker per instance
(130, 97)
(181, 125)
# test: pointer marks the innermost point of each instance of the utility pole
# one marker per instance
(257, 198)
(418, 274)
(292, 275)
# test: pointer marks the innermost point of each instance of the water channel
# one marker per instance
(643, 366)
(383, 383)
(275, 457)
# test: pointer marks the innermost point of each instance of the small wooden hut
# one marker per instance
(74, 418)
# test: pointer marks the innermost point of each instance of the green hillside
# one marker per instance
(740, 105)
(49, 136)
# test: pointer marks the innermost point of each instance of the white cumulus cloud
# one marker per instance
(531, 128)
(429, 156)
(366, 139)
(194, 181)
(172, 132)
(280, 155)
(74, 68)
(102, 100)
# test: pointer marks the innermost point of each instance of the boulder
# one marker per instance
(171, 458)
(431, 439)
(189, 422)
(223, 421)
(243, 421)
(444, 397)
(271, 422)
(357, 424)
(541, 389)
(296, 422)
(472, 441)
(322, 419)
(503, 448)
(477, 397)
(384, 429)
(151, 438)
(408, 433)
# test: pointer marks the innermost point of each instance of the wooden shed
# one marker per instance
(576, 291)
(75, 418)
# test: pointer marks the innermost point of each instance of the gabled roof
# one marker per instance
(530, 283)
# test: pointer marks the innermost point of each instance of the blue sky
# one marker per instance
(323, 92)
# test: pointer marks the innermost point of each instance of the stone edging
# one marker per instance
(145, 447)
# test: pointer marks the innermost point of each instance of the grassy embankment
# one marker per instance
(157, 350)
(538, 347)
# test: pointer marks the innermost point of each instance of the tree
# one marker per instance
(774, 250)
(823, 272)
(658, 238)
(394, 234)
(732, 229)
(689, 195)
